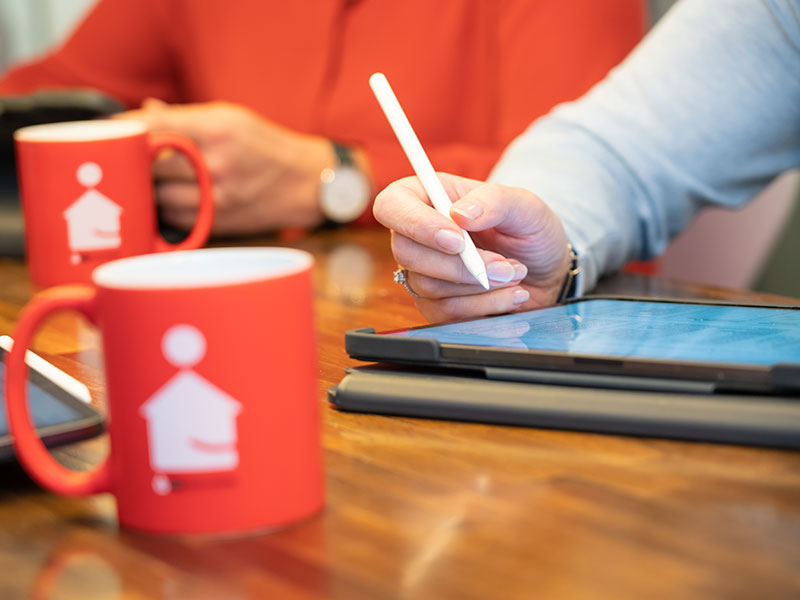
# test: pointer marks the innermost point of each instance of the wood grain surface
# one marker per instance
(425, 509)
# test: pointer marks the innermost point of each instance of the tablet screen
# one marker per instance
(46, 409)
(637, 329)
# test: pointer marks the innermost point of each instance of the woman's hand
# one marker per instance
(519, 238)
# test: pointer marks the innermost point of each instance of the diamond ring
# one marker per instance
(401, 276)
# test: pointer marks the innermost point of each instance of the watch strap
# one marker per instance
(569, 286)
(343, 154)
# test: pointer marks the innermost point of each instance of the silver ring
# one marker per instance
(401, 276)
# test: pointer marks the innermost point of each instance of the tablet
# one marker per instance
(723, 345)
(59, 405)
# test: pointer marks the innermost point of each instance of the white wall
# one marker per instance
(723, 247)
(28, 27)
(728, 248)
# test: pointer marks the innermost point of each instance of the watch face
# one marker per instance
(344, 194)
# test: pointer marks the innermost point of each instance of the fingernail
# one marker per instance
(471, 210)
(500, 271)
(521, 296)
(449, 240)
(520, 270)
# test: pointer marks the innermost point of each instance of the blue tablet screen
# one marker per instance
(623, 328)
(45, 409)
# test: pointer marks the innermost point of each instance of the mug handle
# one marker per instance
(32, 453)
(205, 211)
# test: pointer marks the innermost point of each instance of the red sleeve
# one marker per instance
(121, 48)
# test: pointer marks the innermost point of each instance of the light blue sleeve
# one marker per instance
(705, 111)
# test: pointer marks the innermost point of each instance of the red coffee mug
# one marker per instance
(87, 195)
(210, 364)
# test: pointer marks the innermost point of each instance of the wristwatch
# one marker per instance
(343, 190)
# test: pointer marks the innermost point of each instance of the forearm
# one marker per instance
(705, 111)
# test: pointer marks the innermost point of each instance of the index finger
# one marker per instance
(404, 207)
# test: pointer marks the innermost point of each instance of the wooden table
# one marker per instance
(424, 509)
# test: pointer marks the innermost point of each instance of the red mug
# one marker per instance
(87, 195)
(210, 364)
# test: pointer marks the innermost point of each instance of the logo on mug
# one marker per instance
(93, 219)
(191, 423)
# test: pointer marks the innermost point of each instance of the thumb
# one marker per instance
(513, 211)
(160, 116)
(520, 225)
(154, 104)
(155, 116)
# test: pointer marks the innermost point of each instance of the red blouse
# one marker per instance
(471, 74)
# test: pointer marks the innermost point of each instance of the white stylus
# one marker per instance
(423, 168)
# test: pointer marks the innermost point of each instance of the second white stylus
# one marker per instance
(423, 168)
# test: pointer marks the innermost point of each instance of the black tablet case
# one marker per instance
(652, 408)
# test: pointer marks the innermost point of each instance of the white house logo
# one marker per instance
(93, 219)
(191, 423)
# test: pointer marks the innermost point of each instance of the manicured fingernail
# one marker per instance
(521, 296)
(520, 270)
(500, 271)
(471, 210)
(449, 240)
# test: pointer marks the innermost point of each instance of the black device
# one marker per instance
(57, 406)
(633, 343)
(50, 106)
(456, 395)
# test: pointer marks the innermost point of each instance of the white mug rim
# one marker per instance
(81, 131)
(204, 268)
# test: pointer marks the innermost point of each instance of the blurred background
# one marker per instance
(29, 27)
(755, 248)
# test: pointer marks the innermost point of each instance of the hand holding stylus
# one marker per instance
(423, 168)
(520, 242)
